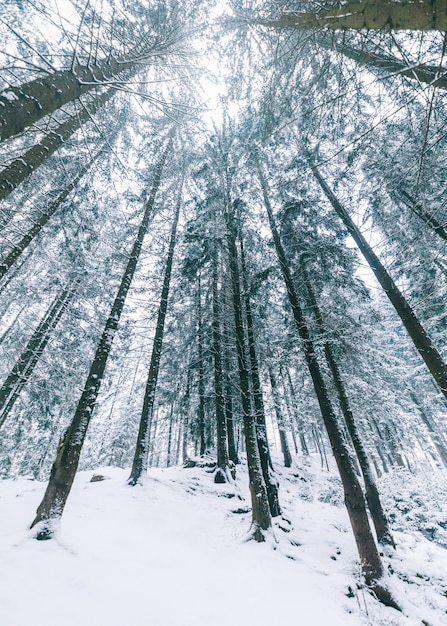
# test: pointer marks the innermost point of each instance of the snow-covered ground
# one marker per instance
(174, 552)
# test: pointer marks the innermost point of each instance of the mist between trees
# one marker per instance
(189, 196)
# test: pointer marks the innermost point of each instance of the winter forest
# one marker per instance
(223, 331)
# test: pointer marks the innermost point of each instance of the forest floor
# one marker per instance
(174, 552)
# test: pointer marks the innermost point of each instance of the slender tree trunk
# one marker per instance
(70, 446)
(186, 408)
(22, 245)
(437, 440)
(418, 209)
(299, 421)
(289, 408)
(279, 418)
(396, 456)
(22, 370)
(15, 173)
(355, 503)
(222, 473)
(170, 435)
(139, 466)
(261, 429)
(382, 448)
(367, 15)
(379, 519)
(230, 413)
(153, 427)
(261, 518)
(420, 338)
(201, 373)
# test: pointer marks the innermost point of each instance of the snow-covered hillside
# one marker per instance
(174, 552)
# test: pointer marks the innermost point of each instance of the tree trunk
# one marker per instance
(139, 465)
(19, 247)
(279, 418)
(70, 446)
(261, 429)
(419, 15)
(289, 408)
(230, 413)
(419, 210)
(29, 358)
(22, 106)
(186, 408)
(222, 470)
(380, 521)
(435, 436)
(355, 503)
(299, 421)
(432, 75)
(261, 518)
(15, 173)
(421, 340)
(170, 435)
(201, 373)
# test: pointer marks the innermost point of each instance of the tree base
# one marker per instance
(384, 596)
(258, 534)
(45, 528)
(44, 534)
(220, 476)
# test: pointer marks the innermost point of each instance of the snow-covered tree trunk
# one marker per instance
(372, 495)
(28, 237)
(261, 429)
(140, 460)
(355, 502)
(67, 458)
(368, 15)
(222, 470)
(417, 333)
(22, 370)
(22, 167)
(261, 517)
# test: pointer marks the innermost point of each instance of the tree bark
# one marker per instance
(261, 518)
(186, 408)
(222, 469)
(419, 15)
(261, 429)
(228, 391)
(22, 106)
(420, 338)
(201, 372)
(355, 503)
(427, 74)
(380, 521)
(289, 407)
(15, 173)
(279, 418)
(139, 465)
(67, 458)
(15, 253)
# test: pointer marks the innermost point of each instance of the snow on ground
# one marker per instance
(174, 552)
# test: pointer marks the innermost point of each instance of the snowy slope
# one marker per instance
(174, 552)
